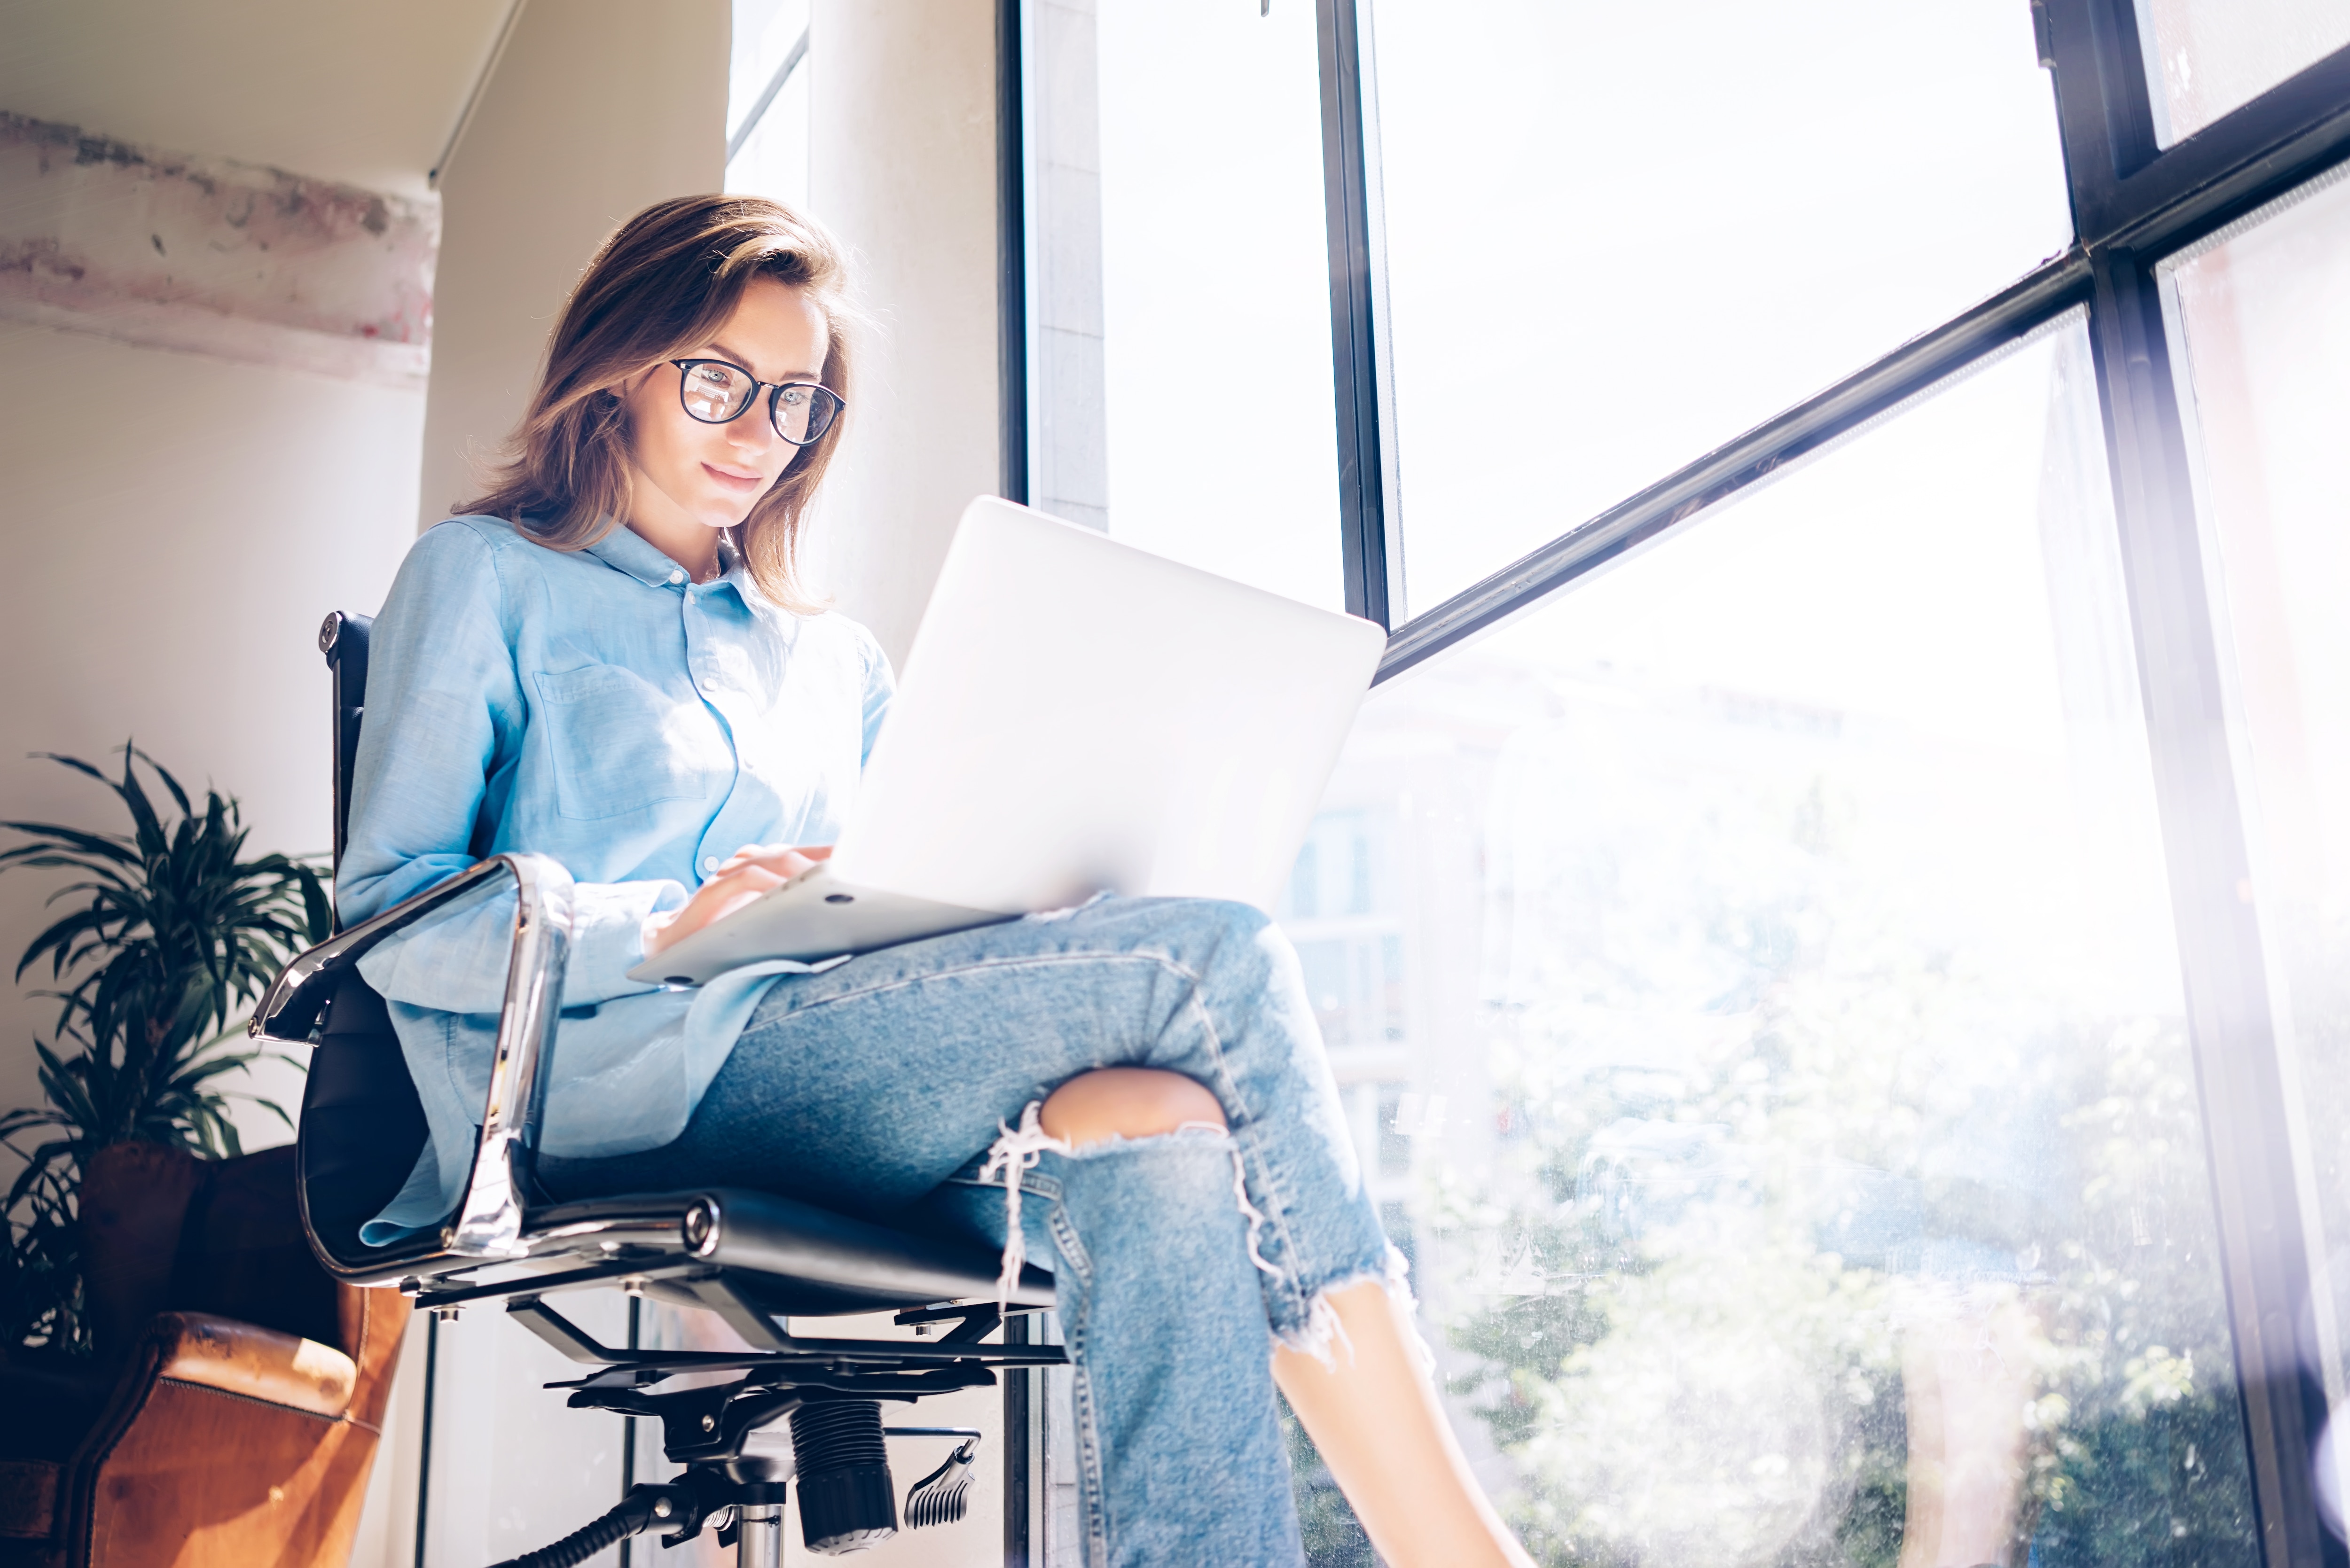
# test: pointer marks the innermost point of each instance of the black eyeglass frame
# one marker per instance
(775, 390)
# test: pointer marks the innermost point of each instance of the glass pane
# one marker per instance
(1619, 235)
(2205, 58)
(764, 35)
(1178, 297)
(771, 127)
(1753, 978)
(2266, 318)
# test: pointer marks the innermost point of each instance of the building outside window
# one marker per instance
(1828, 1172)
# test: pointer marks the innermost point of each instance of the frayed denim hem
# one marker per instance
(1320, 1333)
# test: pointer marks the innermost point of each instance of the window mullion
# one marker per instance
(2262, 1236)
(1353, 343)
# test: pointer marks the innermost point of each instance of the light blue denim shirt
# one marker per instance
(599, 708)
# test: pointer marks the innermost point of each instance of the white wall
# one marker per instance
(173, 546)
(902, 135)
(597, 108)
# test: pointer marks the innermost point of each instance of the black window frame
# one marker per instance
(2134, 204)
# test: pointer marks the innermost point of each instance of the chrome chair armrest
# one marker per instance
(489, 1223)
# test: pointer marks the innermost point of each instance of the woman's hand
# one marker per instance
(753, 871)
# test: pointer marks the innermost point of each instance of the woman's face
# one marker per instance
(687, 471)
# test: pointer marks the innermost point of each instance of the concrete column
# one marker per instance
(902, 166)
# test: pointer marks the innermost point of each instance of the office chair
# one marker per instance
(751, 1257)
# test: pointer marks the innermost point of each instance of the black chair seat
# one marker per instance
(363, 1128)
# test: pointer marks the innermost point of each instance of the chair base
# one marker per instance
(830, 1389)
(743, 1508)
(782, 1373)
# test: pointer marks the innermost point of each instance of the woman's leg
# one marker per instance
(870, 1085)
(1372, 1411)
(1176, 1434)
(1374, 1417)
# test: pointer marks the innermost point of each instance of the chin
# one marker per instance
(725, 511)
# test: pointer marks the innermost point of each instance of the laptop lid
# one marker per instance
(1076, 714)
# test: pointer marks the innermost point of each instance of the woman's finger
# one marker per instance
(725, 892)
(731, 888)
(751, 871)
(781, 858)
(733, 899)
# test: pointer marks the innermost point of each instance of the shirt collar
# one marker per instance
(625, 550)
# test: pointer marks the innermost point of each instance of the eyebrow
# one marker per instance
(739, 357)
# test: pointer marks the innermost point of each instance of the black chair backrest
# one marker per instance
(343, 639)
(362, 1123)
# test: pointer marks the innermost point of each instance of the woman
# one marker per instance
(612, 661)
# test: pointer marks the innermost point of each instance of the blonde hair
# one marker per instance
(658, 289)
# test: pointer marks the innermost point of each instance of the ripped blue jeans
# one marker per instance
(881, 1087)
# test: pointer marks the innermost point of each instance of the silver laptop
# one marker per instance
(1076, 716)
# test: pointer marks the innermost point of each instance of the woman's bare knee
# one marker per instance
(1126, 1101)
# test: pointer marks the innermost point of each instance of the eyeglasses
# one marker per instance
(717, 392)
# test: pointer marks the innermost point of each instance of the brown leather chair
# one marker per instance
(237, 1395)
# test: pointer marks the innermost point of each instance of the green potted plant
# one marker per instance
(168, 935)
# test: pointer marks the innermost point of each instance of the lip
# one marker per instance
(730, 479)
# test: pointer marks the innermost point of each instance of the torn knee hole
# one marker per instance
(1128, 1103)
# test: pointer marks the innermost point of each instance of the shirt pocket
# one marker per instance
(618, 744)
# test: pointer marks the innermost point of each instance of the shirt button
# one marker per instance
(709, 864)
(677, 576)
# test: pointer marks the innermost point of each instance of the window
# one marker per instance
(1791, 938)
(767, 101)
(2204, 58)
(1618, 235)
(1829, 928)
(1823, 1168)
(1177, 289)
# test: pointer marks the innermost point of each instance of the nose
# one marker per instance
(754, 432)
